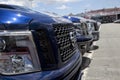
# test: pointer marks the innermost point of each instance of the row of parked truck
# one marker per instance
(41, 46)
(87, 31)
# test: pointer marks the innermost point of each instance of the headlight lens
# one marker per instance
(17, 53)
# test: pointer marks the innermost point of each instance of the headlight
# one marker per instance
(17, 53)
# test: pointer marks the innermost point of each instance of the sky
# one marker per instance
(65, 7)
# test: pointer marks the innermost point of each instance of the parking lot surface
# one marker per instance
(105, 64)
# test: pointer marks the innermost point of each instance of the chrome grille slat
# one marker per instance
(62, 32)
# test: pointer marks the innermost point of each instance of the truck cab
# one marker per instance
(37, 46)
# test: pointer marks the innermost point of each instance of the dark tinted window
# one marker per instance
(21, 8)
(15, 7)
(6, 6)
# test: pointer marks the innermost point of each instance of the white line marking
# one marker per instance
(85, 71)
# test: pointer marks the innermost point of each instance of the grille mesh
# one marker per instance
(65, 46)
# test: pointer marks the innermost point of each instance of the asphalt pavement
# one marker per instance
(105, 61)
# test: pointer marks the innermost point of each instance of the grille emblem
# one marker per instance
(72, 38)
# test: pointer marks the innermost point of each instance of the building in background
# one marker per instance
(104, 15)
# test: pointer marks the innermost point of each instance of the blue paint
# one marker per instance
(19, 18)
(73, 19)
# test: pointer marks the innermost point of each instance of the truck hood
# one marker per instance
(18, 18)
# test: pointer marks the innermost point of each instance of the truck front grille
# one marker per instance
(65, 46)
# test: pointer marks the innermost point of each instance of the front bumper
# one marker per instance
(65, 73)
(83, 43)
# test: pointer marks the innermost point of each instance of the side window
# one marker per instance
(85, 31)
(78, 26)
(92, 26)
(96, 26)
(83, 26)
